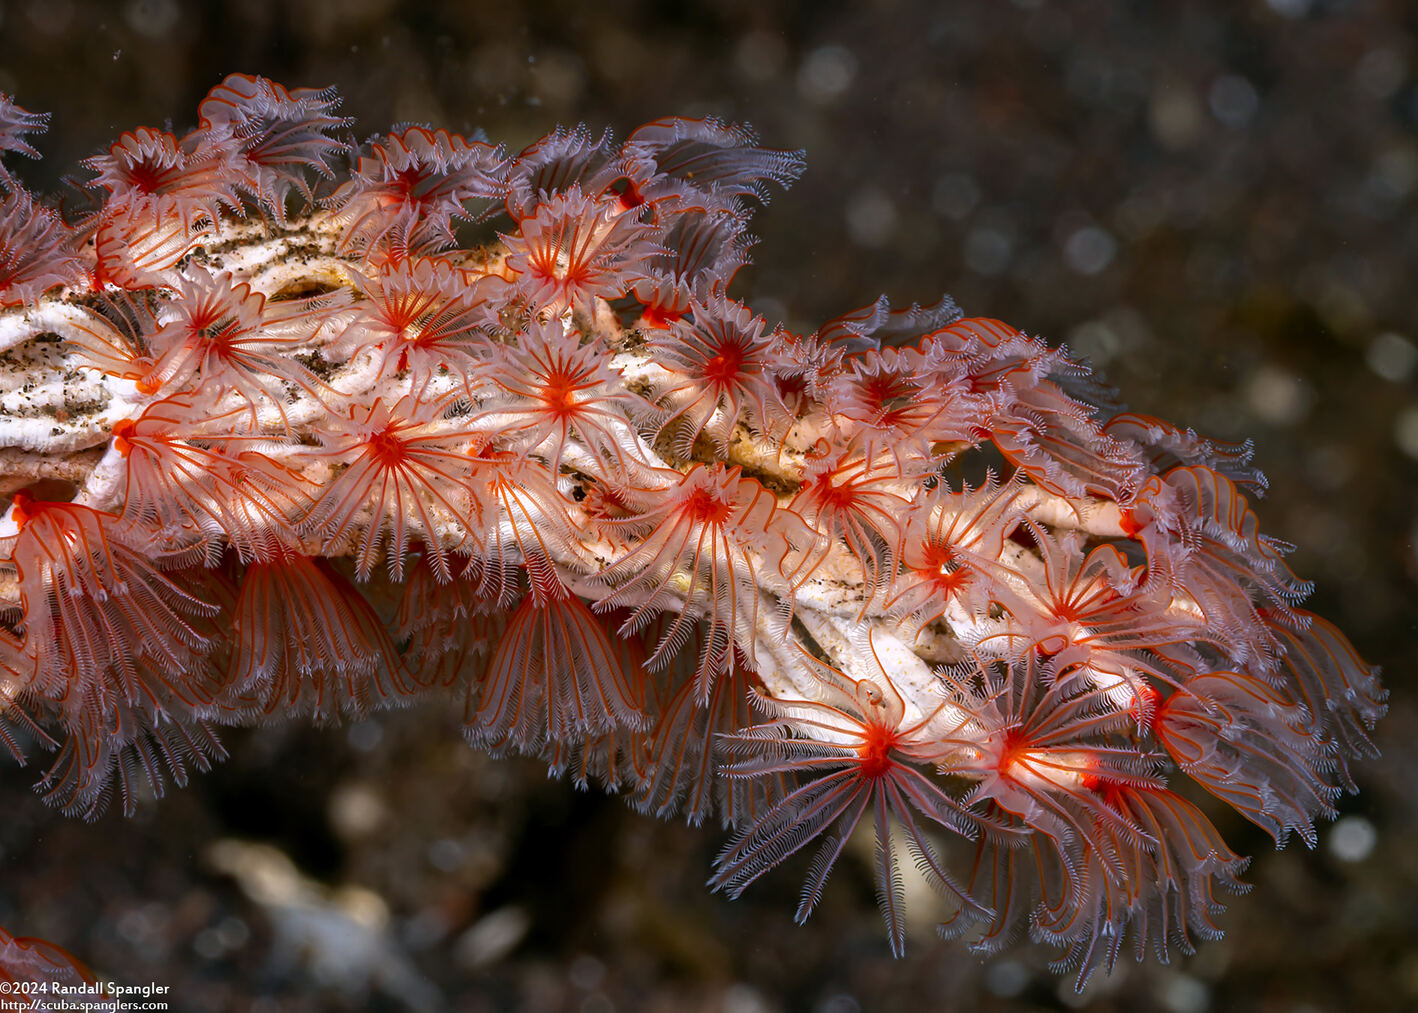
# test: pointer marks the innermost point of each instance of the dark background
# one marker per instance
(1214, 202)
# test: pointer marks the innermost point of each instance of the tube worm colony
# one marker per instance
(276, 442)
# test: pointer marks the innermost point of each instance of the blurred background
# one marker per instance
(1212, 202)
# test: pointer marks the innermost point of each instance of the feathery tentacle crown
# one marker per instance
(276, 443)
